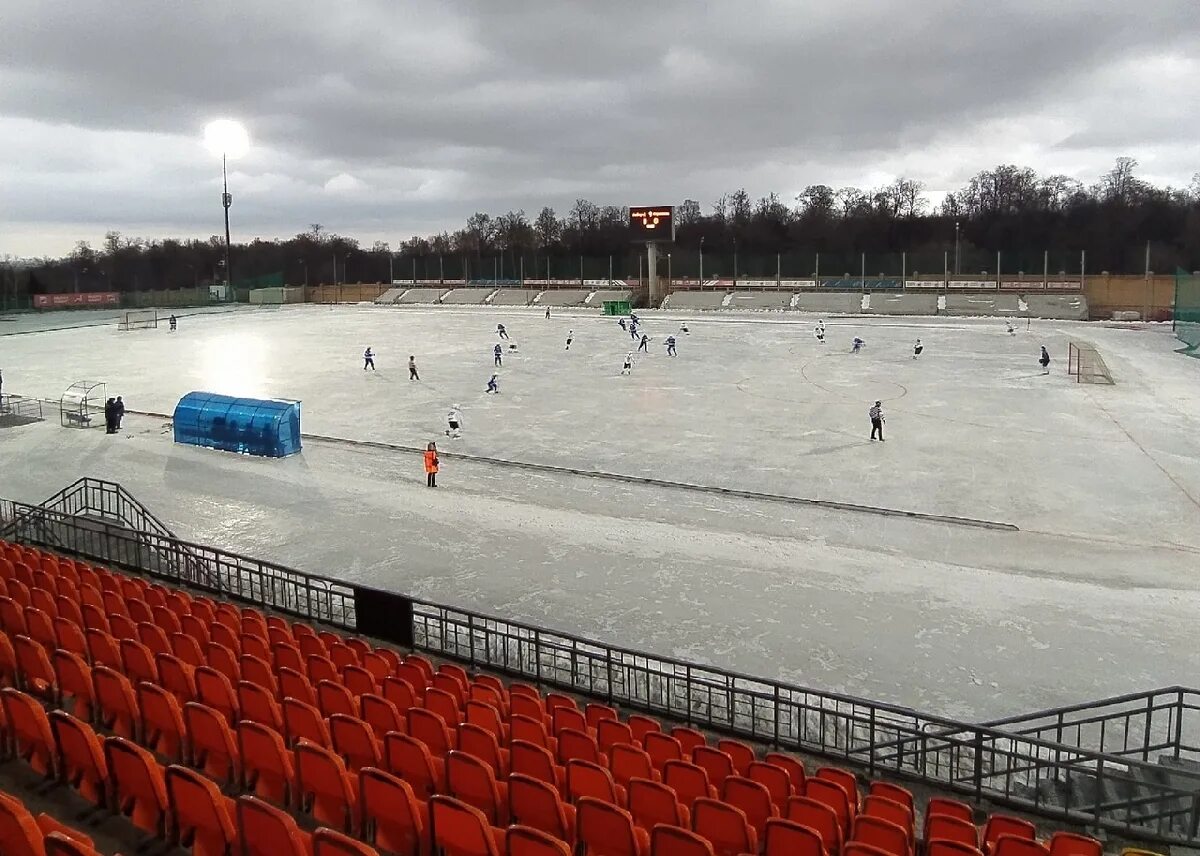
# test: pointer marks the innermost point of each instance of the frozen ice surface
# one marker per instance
(1096, 594)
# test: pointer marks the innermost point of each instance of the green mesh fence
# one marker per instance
(1187, 310)
(266, 280)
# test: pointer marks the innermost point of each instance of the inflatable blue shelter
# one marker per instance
(250, 426)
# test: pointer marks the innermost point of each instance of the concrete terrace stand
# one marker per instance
(889, 303)
(564, 297)
(467, 296)
(514, 296)
(422, 295)
(759, 300)
(982, 304)
(390, 296)
(1058, 307)
(603, 295)
(695, 300)
(831, 303)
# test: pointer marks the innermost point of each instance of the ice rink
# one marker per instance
(1096, 593)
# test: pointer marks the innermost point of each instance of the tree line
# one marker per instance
(1117, 222)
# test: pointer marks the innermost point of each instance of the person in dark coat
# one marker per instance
(1044, 359)
(110, 416)
(119, 411)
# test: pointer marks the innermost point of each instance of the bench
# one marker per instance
(77, 419)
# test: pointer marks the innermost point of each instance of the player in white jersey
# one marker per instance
(454, 420)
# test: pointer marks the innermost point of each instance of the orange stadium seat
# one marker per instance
(212, 744)
(304, 722)
(30, 730)
(73, 678)
(716, 763)
(653, 803)
(354, 740)
(820, 818)
(80, 757)
(774, 778)
(411, 760)
(264, 830)
(471, 780)
(328, 842)
(162, 727)
(536, 761)
(604, 829)
(139, 791)
(391, 816)
(536, 804)
(673, 841)
(202, 818)
(688, 780)
(524, 841)
(326, 789)
(458, 829)
(1003, 824)
(788, 838)
(585, 779)
(725, 827)
(267, 767)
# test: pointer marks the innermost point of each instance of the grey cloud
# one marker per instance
(510, 104)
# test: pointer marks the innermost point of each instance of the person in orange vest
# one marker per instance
(431, 465)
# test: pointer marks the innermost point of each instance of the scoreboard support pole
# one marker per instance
(656, 296)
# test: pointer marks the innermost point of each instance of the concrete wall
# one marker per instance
(360, 292)
(564, 297)
(514, 297)
(1153, 298)
(422, 295)
(887, 303)
(832, 303)
(982, 304)
(694, 300)
(759, 300)
(1060, 307)
(273, 296)
(467, 296)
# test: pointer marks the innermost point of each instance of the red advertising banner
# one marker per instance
(91, 298)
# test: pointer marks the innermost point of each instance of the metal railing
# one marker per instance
(1157, 725)
(88, 497)
(1012, 763)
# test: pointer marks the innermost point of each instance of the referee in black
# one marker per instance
(876, 414)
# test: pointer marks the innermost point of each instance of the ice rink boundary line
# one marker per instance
(969, 522)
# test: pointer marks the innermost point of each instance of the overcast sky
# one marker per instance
(384, 119)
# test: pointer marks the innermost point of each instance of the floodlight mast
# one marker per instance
(228, 138)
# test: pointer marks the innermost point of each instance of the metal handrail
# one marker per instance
(1055, 779)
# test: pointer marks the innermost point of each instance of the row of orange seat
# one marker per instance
(506, 750)
(23, 834)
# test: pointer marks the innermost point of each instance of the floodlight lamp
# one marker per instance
(226, 137)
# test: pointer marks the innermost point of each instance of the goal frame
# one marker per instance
(1086, 364)
(138, 319)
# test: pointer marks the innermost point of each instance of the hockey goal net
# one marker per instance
(138, 319)
(1086, 364)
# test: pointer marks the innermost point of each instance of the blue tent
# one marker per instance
(251, 426)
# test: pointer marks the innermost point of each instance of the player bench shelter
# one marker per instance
(268, 428)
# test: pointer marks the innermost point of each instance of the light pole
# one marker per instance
(956, 246)
(668, 273)
(303, 262)
(735, 262)
(230, 140)
(701, 262)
